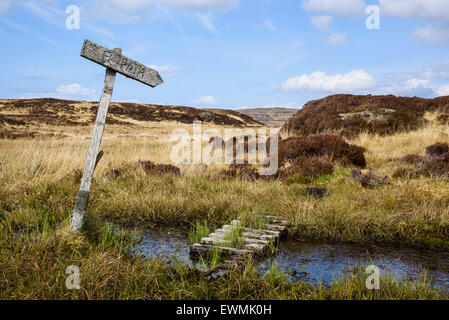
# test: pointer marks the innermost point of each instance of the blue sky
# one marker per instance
(228, 53)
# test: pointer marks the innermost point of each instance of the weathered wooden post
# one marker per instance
(114, 62)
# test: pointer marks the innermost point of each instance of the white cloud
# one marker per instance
(166, 71)
(437, 71)
(73, 89)
(125, 11)
(413, 87)
(426, 82)
(435, 10)
(415, 83)
(336, 38)
(322, 23)
(432, 34)
(346, 8)
(429, 82)
(321, 82)
(206, 100)
(442, 90)
(418, 87)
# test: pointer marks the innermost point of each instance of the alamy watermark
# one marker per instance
(235, 144)
(73, 279)
(373, 280)
(72, 21)
(373, 20)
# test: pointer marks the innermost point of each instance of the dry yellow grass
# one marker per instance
(37, 190)
(383, 148)
(53, 158)
(408, 209)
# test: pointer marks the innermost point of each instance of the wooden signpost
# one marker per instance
(114, 62)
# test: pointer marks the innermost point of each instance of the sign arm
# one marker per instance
(114, 62)
(82, 196)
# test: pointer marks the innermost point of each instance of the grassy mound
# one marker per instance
(332, 146)
(308, 157)
(351, 114)
(307, 167)
(435, 163)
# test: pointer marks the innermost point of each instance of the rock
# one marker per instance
(316, 192)
(370, 180)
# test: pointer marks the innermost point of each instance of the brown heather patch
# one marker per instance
(43, 118)
(332, 146)
(437, 149)
(443, 119)
(440, 104)
(309, 157)
(14, 133)
(114, 173)
(411, 159)
(240, 171)
(350, 115)
(10, 120)
(435, 164)
(151, 168)
(311, 167)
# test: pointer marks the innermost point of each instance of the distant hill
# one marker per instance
(31, 117)
(349, 115)
(274, 117)
(237, 115)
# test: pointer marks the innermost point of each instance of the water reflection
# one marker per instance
(313, 262)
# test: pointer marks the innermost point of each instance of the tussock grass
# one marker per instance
(199, 231)
(38, 186)
(407, 212)
(34, 268)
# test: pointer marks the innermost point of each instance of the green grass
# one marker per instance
(199, 231)
(410, 212)
(34, 268)
(36, 246)
(321, 179)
